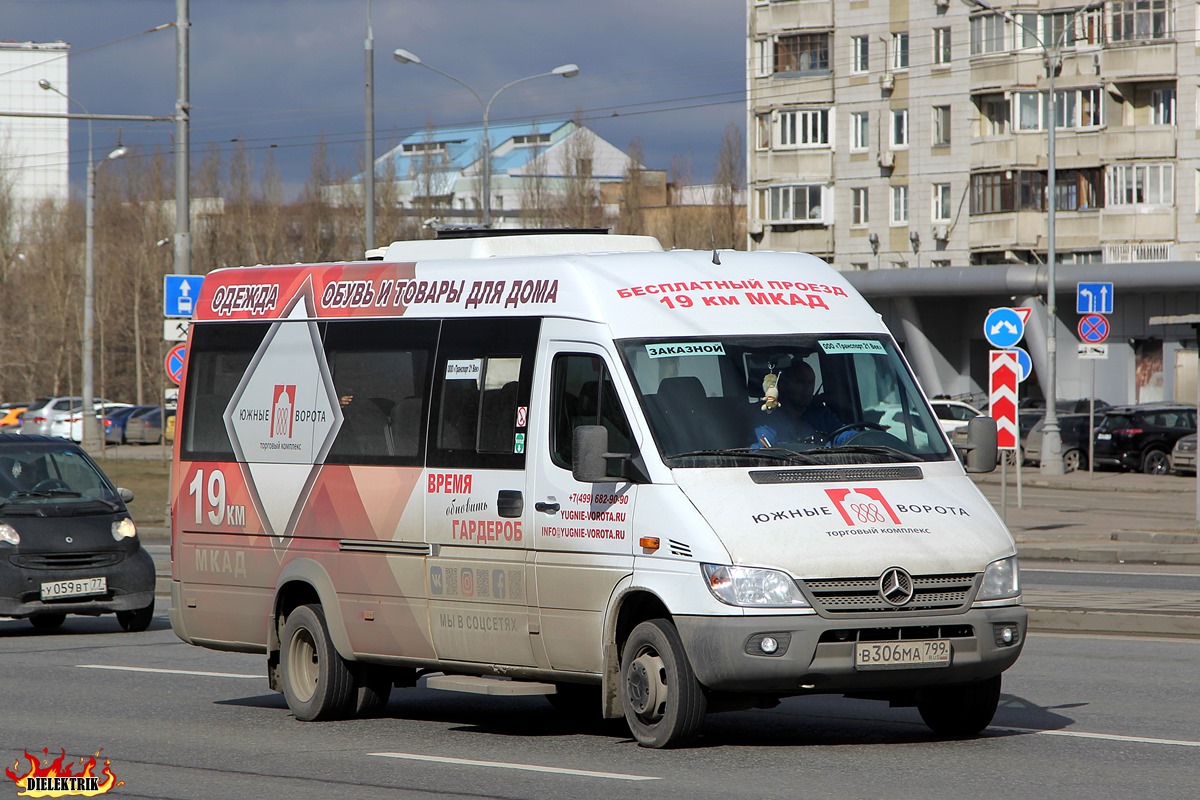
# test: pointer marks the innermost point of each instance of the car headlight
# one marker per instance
(1000, 580)
(750, 586)
(125, 529)
(9, 534)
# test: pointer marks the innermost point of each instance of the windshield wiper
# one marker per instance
(878, 450)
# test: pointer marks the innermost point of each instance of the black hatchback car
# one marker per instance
(1141, 437)
(67, 543)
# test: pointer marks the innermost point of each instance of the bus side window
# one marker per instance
(218, 358)
(583, 394)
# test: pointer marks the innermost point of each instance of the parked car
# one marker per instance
(41, 414)
(67, 542)
(953, 414)
(1026, 418)
(1183, 456)
(1141, 437)
(115, 421)
(10, 416)
(1075, 434)
(73, 425)
(146, 427)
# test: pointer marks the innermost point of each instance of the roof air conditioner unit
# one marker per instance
(941, 233)
(887, 159)
(942, 3)
(887, 82)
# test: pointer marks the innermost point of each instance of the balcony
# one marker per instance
(815, 165)
(1140, 141)
(999, 72)
(1139, 61)
(802, 14)
(1137, 224)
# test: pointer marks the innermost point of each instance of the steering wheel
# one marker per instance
(875, 426)
(48, 485)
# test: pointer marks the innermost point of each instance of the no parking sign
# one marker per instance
(176, 357)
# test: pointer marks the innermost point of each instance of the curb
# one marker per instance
(1080, 620)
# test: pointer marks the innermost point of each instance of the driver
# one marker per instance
(798, 418)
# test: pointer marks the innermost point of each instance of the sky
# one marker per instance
(279, 75)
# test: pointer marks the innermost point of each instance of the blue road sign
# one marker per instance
(180, 293)
(1003, 327)
(1093, 328)
(176, 357)
(1094, 298)
(1024, 363)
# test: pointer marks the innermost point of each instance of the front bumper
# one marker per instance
(820, 653)
(130, 587)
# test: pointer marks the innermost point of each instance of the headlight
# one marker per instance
(749, 586)
(9, 534)
(125, 529)
(1000, 580)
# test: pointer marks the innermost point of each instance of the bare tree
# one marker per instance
(632, 212)
(579, 205)
(730, 179)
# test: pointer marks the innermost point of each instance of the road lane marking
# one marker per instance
(1112, 737)
(583, 773)
(169, 671)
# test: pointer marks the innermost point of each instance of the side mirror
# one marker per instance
(126, 494)
(981, 444)
(592, 463)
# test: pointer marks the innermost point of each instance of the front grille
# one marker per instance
(66, 560)
(897, 634)
(848, 596)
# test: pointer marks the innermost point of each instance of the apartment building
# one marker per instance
(915, 133)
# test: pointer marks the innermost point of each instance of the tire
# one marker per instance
(962, 710)
(317, 682)
(663, 702)
(137, 620)
(1156, 462)
(48, 622)
(372, 690)
(576, 700)
(1074, 460)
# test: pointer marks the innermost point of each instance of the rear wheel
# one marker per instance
(962, 710)
(47, 622)
(1074, 460)
(137, 620)
(317, 682)
(1156, 462)
(663, 702)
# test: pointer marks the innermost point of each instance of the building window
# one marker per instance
(993, 115)
(860, 47)
(762, 57)
(900, 50)
(988, 34)
(999, 192)
(860, 206)
(1141, 184)
(1140, 19)
(803, 203)
(531, 139)
(941, 126)
(860, 130)
(941, 202)
(1091, 108)
(1162, 106)
(941, 45)
(899, 128)
(899, 205)
(802, 53)
(762, 131)
(807, 128)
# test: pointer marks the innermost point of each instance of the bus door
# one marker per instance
(583, 532)
(476, 507)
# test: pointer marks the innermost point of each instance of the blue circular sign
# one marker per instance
(176, 357)
(1003, 327)
(1024, 363)
(1093, 328)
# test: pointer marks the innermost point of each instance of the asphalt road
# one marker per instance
(1080, 718)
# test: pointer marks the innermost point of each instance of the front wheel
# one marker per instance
(962, 710)
(1156, 462)
(317, 683)
(1074, 460)
(663, 702)
(137, 620)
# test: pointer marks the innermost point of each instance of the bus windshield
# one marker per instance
(803, 399)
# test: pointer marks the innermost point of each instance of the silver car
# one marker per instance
(1183, 456)
(44, 411)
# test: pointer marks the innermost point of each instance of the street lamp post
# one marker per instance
(91, 432)
(1051, 462)
(565, 71)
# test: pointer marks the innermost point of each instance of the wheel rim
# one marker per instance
(303, 665)
(646, 687)
(1156, 463)
(1071, 461)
